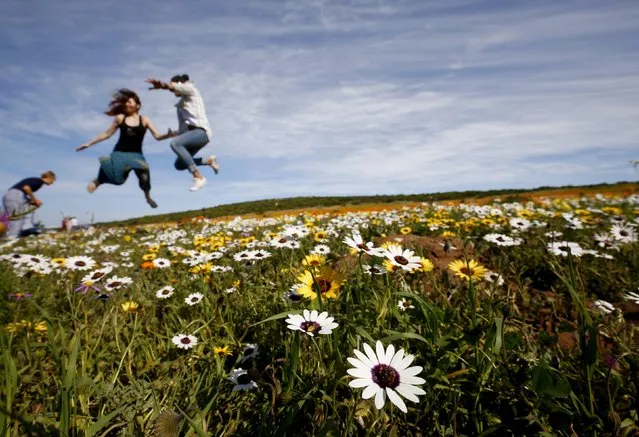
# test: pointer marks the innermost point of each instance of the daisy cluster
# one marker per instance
(306, 261)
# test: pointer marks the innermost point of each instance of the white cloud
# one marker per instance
(332, 97)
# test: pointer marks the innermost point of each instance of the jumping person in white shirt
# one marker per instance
(194, 131)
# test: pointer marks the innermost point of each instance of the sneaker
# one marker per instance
(212, 161)
(198, 183)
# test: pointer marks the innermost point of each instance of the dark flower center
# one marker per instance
(623, 233)
(244, 255)
(500, 239)
(243, 379)
(295, 297)
(465, 271)
(310, 326)
(401, 260)
(259, 255)
(385, 376)
(97, 275)
(166, 291)
(195, 299)
(407, 304)
(185, 340)
(563, 248)
(80, 263)
(362, 246)
(116, 284)
(321, 286)
(374, 270)
(282, 240)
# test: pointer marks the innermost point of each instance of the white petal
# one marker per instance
(357, 363)
(370, 391)
(406, 391)
(404, 363)
(322, 317)
(397, 358)
(294, 327)
(411, 380)
(370, 354)
(381, 353)
(360, 383)
(394, 398)
(379, 399)
(411, 371)
(363, 359)
(313, 316)
(307, 314)
(358, 372)
(390, 353)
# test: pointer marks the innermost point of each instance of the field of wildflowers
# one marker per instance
(504, 319)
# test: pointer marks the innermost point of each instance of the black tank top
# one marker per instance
(130, 137)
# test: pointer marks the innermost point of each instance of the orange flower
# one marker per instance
(147, 265)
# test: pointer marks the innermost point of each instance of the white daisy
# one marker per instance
(250, 351)
(230, 290)
(165, 292)
(242, 380)
(494, 277)
(184, 341)
(311, 322)
(96, 275)
(260, 254)
(194, 298)
(244, 255)
(321, 249)
(356, 242)
(405, 304)
(403, 258)
(562, 248)
(633, 297)
(115, 282)
(373, 270)
(603, 306)
(386, 373)
(502, 240)
(79, 263)
(161, 263)
(623, 233)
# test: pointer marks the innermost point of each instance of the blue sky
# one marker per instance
(323, 97)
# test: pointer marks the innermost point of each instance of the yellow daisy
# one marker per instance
(405, 230)
(154, 249)
(314, 261)
(427, 265)
(466, 270)
(221, 351)
(327, 282)
(149, 257)
(59, 261)
(130, 307)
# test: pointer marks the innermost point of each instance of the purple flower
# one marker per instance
(4, 219)
(85, 286)
(20, 296)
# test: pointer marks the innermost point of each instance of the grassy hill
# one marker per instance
(293, 203)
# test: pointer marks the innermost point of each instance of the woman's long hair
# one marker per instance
(120, 97)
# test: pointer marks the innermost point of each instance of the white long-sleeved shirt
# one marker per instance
(190, 108)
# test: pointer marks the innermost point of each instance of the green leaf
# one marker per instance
(102, 422)
(404, 335)
(545, 384)
(277, 317)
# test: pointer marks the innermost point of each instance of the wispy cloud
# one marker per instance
(326, 96)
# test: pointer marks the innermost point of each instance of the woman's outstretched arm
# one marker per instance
(146, 122)
(104, 135)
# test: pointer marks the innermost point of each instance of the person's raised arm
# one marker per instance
(146, 122)
(104, 135)
(185, 89)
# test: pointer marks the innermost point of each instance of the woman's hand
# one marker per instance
(82, 147)
(36, 202)
(171, 133)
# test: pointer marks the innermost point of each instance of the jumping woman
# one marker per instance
(127, 153)
(194, 131)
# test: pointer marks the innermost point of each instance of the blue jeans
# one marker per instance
(15, 202)
(186, 145)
